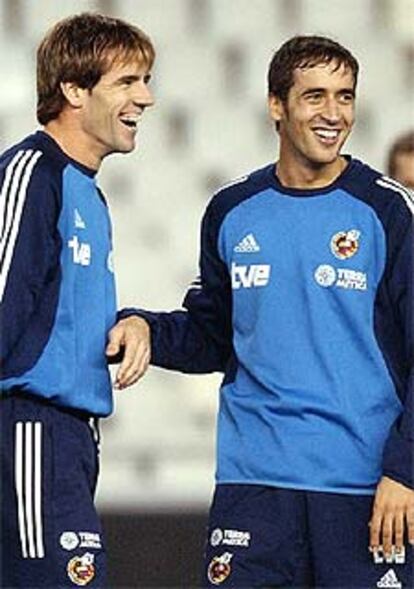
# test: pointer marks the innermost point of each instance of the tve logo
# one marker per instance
(81, 251)
(249, 276)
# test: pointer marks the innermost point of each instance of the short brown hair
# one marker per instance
(403, 144)
(302, 52)
(81, 49)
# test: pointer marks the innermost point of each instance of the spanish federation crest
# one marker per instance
(81, 569)
(219, 568)
(345, 244)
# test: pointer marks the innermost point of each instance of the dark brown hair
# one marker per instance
(403, 144)
(303, 52)
(81, 49)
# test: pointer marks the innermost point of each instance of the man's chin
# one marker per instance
(327, 158)
(125, 147)
(321, 162)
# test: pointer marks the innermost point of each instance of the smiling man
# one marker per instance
(305, 301)
(57, 294)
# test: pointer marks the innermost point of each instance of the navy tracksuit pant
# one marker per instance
(50, 532)
(267, 537)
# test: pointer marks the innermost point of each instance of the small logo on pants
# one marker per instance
(219, 568)
(69, 540)
(81, 569)
(389, 581)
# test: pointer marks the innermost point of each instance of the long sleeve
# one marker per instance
(29, 258)
(399, 450)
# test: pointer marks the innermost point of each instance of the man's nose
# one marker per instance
(331, 110)
(143, 96)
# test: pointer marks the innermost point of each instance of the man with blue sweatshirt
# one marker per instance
(305, 301)
(57, 299)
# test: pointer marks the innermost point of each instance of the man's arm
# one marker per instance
(196, 339)
(30, 248)
(393, 512)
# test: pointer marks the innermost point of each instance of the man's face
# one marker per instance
(112, 110)
(318, 114)
(404, 169)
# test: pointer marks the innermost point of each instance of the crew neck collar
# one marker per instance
(53, 144)
(306, 192)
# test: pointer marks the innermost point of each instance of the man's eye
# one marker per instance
(316, 97)
(127, 81)
(347, 98)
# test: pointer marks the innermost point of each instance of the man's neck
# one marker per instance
(308, 176)
(72, 142)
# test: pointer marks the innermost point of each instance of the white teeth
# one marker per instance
(130, 120)
(327, 133)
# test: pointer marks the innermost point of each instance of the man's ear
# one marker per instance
(74, 95)
(276, 108)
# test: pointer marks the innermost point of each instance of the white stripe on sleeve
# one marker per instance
(400, 189)
(5, 188)
(15, 203)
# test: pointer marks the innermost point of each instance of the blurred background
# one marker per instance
(209, 125)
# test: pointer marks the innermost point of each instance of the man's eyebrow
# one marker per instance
(347, 91)
(322, 90)
(313, 90)
(129, 78)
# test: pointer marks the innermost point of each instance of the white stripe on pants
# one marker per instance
(28, 481)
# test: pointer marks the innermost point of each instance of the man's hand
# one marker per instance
(133, 336)
(392, 516)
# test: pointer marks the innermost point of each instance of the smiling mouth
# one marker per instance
(130, 121)
(327, 136)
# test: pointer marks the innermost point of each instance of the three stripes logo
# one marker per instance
(389, 581)
(247, 245)
(28, 482)
(391, 184)
(79, 222)
(12, 199)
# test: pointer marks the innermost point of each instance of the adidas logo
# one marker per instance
(389, 581)
(79, 222)
(247, 245)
